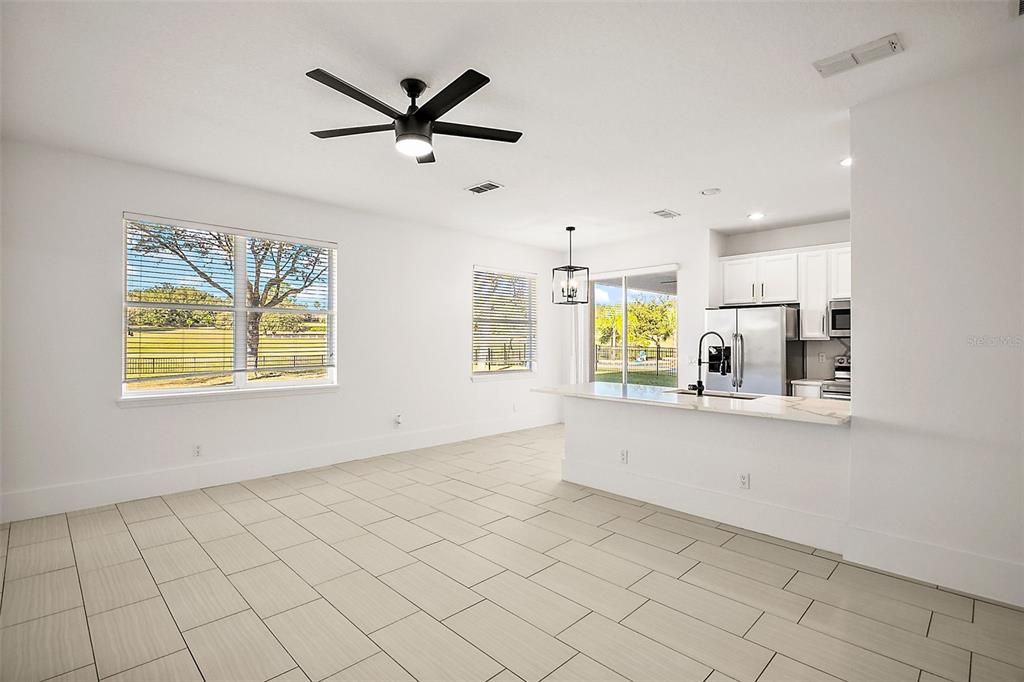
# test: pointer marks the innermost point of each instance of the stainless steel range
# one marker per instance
(839, 387)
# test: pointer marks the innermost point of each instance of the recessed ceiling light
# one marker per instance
(847, 162)
(710, 191)
(756, 215)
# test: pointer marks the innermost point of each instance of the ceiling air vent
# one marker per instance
(665, 213)
(860, 55)
(485, 186)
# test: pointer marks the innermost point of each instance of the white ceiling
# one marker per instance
(626, 107)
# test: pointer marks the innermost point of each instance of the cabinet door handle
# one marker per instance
(823, 323)
(762, 289)
(751, 290)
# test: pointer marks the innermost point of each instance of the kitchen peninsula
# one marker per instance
(693, 454)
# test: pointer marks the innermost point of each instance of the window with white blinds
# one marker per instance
(213, 308)
(504, 321)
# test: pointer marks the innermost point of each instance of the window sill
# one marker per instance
(232, 394)
(502, 376)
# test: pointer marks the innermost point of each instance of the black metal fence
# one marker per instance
(501, 357)
(136, 367)
(660, 360)
(282, 360)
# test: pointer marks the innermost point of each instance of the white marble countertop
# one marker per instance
(808, 410)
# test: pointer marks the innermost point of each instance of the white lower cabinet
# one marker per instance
(806, 390)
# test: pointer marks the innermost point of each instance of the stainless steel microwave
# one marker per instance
(839, 317)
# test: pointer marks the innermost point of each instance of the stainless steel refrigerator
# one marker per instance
(766, 349)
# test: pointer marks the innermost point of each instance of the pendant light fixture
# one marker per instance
(570, 284)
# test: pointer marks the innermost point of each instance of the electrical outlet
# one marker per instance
(197, 451)
(515, 408)
(624, 456)
(745, 481)
(821, 358)
(398, 419)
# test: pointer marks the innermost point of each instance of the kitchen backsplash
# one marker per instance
(814, 351)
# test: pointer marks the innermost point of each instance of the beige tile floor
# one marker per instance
(468, 561)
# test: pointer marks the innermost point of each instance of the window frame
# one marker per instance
(496, 375)
(240, 385)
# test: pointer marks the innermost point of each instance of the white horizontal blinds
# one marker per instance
(504, 321)
(179, 306)
(288, 316)
(287, 341)
(166, 344)
(289, 275)
(168, 264)
(184, 303)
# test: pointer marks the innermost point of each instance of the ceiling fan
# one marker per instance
(414, 130)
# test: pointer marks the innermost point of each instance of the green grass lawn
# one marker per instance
(152, 354)
(639, 377)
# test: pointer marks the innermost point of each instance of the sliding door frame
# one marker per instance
(623, 277)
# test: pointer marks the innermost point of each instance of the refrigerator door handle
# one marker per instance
(742, 359)
(739, 337)
(734, 359)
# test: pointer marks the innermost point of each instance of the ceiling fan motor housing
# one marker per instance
(410, 127)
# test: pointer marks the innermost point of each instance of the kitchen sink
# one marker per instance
(718, 394)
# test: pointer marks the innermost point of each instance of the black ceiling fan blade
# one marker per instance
(428, 158)
(352, 91)
(358, 130)
(452, 94)
(476, 132)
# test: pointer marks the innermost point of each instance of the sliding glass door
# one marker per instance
(608, 354)
(634, 329)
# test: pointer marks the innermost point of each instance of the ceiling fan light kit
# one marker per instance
(415, 129)
(570, 284)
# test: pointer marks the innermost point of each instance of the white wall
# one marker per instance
(716, 249)
(68, 444)
(937, 475)
(795, 237)
(689, 248)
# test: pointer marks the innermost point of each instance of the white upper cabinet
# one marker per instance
(813, 295)
(839, 269)
(777, 279)
(739, 281)
(810, 276)
(760, 279)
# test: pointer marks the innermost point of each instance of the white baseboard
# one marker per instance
(25, 504)
(782, 522)
(985, 576)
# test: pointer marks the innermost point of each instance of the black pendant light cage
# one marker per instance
(570, 284)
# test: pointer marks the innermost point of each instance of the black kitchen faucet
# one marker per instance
(723, 363)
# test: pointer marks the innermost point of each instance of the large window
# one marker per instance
(211, 308)
(634, 329)
(504, 321)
